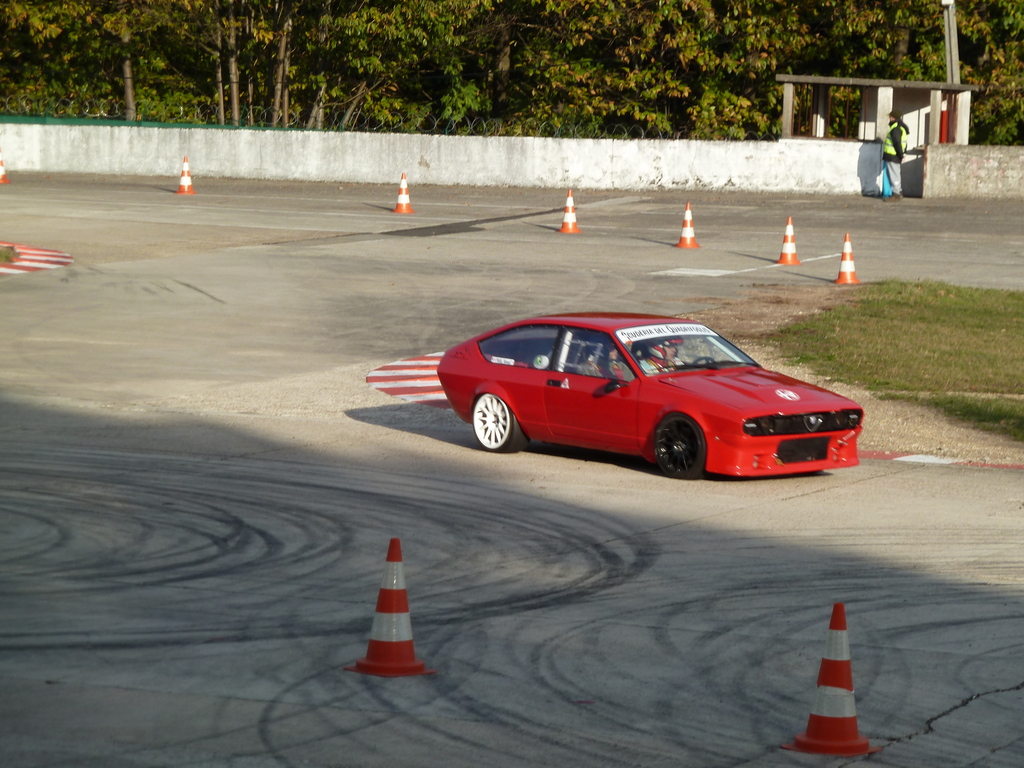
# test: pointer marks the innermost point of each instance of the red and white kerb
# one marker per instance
(30, 259)
(414, 379)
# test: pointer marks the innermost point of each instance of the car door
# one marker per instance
(585, 404)
(517, 362)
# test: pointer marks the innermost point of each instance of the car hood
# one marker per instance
(755, 391)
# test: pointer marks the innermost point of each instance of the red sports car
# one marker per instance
(670, 390)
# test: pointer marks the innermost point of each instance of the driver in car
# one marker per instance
(618, 369)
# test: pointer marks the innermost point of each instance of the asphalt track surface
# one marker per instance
(197, 489)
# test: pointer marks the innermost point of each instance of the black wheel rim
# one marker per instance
(678, 446)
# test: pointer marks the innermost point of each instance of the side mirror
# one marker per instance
(614, 384)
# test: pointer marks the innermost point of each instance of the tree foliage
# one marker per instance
(702, 68)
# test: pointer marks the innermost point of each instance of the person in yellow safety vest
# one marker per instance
(893, 150)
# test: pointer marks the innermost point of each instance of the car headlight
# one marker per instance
(765, 425)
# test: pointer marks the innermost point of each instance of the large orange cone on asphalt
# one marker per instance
(404, 203)
(185, 185)
(569, 218)
(832, 726)
(788, 256)
(390, 652)
(687, 239)
(3, 173)
(847, 274)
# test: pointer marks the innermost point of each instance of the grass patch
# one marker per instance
(7, 254)
(996, 415)
(958, 349)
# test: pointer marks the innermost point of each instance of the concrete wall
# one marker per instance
(792, 165)
(795, 165)
(959, 171)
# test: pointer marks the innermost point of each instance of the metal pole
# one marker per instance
(952, 43)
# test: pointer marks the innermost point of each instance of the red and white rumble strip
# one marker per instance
(414, 379)
(31, 259)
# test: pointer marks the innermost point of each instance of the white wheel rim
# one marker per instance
(491, 421)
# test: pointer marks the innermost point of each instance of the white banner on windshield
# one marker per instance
(640, 333)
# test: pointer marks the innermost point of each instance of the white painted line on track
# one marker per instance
(688, 272)
(922, 459)
(695, 272)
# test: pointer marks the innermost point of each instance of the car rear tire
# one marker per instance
(495, 426)
(680, 448)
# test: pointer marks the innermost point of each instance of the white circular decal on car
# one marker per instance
(787, 394)
(541, 361)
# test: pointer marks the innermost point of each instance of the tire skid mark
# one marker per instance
(200, 537)
(120, 525)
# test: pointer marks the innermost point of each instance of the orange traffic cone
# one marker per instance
(390, 652)
(185, 185)
(788, 256)
(847, 274)
(569, 219)
(404, 205)
(3, 173)
(832, 726)
(687, 239)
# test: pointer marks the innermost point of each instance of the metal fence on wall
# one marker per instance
(340, 120)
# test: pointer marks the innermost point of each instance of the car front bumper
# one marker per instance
(750, 456)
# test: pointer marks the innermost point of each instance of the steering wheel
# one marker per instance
(704, 361)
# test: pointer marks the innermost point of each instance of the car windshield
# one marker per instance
(670, 347)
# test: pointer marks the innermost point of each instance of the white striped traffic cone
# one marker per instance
(832, 726)
(3, 172)
(390, 652)
(847, 273)
(687, 239)
(788, 256)
(404, 203)
(185, 185)
(569, 218)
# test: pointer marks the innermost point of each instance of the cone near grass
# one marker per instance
(3, 172)
(185, 185)
(404, 203)
(390, 652)
(847, 273)
(687, 239)
(832, 726)
(569, 217)
(788, 256)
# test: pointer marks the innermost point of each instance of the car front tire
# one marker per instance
(680, 448)
(495, 426)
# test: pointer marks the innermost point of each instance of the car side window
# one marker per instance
(591, 353)
(528, 346)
